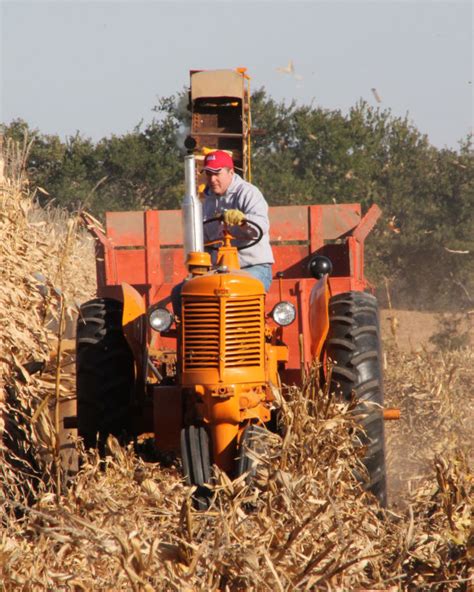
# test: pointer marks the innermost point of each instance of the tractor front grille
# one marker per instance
(244, 332)
(242, 341)
(201, 332)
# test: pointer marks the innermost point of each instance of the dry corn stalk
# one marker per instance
(304, 524)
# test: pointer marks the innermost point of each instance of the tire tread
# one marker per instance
(358, 370)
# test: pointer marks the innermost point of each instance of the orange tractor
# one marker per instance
(203, 383)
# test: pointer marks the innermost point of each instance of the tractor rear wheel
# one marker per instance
(105, 373)
(196, 463)
(354, 346)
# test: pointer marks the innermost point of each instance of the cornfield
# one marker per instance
(126, 523)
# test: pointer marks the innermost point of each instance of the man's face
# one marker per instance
(219, 182)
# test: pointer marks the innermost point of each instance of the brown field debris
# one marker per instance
(127, 524)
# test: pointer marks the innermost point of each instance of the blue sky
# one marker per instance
(98, 67)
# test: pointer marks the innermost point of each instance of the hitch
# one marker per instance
(391, 413)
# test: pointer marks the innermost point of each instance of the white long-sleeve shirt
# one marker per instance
(245, 197)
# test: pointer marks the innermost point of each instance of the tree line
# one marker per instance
(423, 245)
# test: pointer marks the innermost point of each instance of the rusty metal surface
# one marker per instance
(167, 416)
(171, 230)
(130, 267)
(172, 265)
(295, 222)
(152, 255)
(219, 134)
(391, 413)
(367, 223)
(289, 223)
(338, 219)
(220, 114)
(292, 260)
(158, 257)
(125, 228)
(144, 249)
(216, 83)
(222, 129)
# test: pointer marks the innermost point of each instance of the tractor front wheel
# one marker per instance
(105, 373)
(354, 347)
(196, 463)
(252, 441)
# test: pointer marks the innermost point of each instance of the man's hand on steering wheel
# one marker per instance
(221, 218)
(233, 217)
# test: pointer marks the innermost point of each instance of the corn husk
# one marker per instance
(304, 523)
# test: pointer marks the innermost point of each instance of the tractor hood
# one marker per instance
(231, 284)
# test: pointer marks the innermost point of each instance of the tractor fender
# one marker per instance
(135, 330)
(319, 315)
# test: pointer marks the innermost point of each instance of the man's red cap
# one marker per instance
(215, 161)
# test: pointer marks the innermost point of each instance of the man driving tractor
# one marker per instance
(237, 201)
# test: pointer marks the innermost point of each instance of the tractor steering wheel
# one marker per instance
(221, 240)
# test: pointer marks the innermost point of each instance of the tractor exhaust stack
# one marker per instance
(191, 208)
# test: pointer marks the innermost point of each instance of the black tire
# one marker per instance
(354, 345)
(105, 373)
(197, 463)
(253, 440)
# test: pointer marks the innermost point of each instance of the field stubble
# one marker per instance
(304, 524)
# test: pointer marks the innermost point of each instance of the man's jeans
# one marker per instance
(262, 272)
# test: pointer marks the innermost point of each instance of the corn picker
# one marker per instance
(203, 383)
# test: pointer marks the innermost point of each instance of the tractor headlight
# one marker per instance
(284, 313)
(160, 319)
